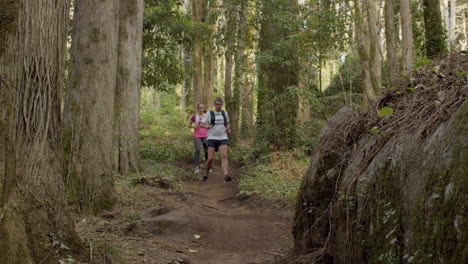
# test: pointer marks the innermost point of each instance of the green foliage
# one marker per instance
(384, 111)
(349, 78)
(308, 133)
(326, 27)
(434, 31)
(165, 135)
(166, 29)
(258, 179)
(417, 24)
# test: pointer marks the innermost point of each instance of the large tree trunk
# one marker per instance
(406, 38)
(373, 9)
(90, 104)
(197, 55)
(128, 86)
(433, 29)
(390, 41)
(234, 113)
(278, 104)
(33, 209)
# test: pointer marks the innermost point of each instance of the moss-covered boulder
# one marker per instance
(390, 185)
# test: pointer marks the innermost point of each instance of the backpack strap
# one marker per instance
(213, 117)
(224, 116)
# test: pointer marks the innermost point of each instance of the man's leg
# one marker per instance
(205, 148)
(209, 162)
(223, 152)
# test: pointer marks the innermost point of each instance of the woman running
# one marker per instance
(199, 135)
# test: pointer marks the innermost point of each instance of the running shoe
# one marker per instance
(197, 170)
(227, 178)
(205, 178)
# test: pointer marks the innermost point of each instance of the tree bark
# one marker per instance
(362, 36)
(33, 209)
(128, 87)
(407, 37)
(390, 41)
(277, 104)
(234, 113)
(449, 7)
(375, 53)
(197, 55)
(433, 29)
(247, 110)
(90, 103)
(228, 94)
(209, 58)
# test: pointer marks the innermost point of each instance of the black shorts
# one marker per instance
(213, 143)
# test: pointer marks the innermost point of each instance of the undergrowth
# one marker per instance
(276, 175)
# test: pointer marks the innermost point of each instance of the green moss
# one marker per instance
(381, 231)
(439, 225)
(8, 18)
(12, 245)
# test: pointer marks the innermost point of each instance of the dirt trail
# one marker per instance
(155, 226)
(235, 233)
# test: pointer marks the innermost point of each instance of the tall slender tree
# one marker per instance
(197, 53)
(391, 41)
(33, 209)
(209, 53)
(238, 72)
(128, 84)
(434, 31)
(229, 40)
(89, 105)
(247, 93)
(407, 37)
(369, 46)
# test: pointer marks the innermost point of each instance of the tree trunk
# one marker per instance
(362, 36)
(434, 31)
(452, 21)
(373, 9)
(407, 37)
(278, 104)
(33, 209)
(228, 77)
(390, 41)
(209, 58)
(234, 113)
(197, 55)
(90, 104)
(247, 110)
(128, 87)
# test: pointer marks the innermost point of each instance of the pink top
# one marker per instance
(199, 132)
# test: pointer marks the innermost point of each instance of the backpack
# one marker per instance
(213, 117)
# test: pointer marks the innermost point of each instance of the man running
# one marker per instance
(217, 122)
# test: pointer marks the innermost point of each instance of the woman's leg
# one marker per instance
(197, 142)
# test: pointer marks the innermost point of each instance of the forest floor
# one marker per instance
(202, 223)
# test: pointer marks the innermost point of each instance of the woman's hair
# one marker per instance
(204, 111)
(218, 99)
